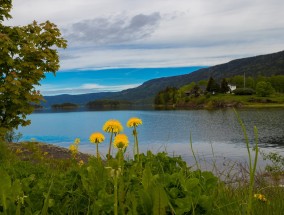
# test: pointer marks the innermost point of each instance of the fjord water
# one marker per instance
(214, 132)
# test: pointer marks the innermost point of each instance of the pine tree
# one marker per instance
(212, 86)
(224, 86)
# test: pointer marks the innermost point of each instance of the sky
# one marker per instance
(106, 35)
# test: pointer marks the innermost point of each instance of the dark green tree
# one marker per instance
(26, 54)
(212, 86)
(196, 91)
(167, 96)
(250, 83)
(224, 88)
(277, 83)
(237, 80)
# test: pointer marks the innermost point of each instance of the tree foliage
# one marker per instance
(264, 89)
(224, 88)
(212, 86)
(26, 54)
(167, 96)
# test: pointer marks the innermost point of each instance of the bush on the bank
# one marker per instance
(264, 89)
(244, 91)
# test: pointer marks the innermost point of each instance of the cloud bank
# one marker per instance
(113, 30)
(132, 33)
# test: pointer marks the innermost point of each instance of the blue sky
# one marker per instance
(110, 80)
(105, 34)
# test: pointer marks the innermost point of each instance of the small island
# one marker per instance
(106, 103)
(66, 105)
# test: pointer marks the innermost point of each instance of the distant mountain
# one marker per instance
(76, 99)
(266, 65)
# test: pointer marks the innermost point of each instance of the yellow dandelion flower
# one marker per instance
(134, 122)
(260, 197)
(73, 148)
(120, 141)
(97, 137)
(45, 153)
(77, 141)
(113, 126)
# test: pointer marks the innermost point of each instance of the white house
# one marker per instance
(232, 88)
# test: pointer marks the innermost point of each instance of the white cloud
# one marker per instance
(49, 90)
(164, 33)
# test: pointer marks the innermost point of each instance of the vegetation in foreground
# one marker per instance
(36, 183)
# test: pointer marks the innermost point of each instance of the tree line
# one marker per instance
(261, 85)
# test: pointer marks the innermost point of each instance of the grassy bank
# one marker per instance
(229, 100)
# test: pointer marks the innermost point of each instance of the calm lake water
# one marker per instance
(214, 132)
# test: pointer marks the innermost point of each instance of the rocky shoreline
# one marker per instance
(25, 149)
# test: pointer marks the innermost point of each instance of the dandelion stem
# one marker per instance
(98, 155)
(136, 143)
(109, 149)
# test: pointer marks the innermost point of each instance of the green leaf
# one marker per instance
(184, 205)
(5, 186)
(5, 182)
(206, 202)
(160, 201)
(146, 201)
(192, 183)
(147, 178)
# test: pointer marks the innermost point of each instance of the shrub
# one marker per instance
(244, 91)
(264, 89)
(12, 136)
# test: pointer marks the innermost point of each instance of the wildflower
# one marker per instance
(45, 153)
(81, 163)
(97, 137)
(134, 122)
(73, 148)
(113, 126)
(21, 199)
(77, 141)
(260, 197)
(121, 141)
